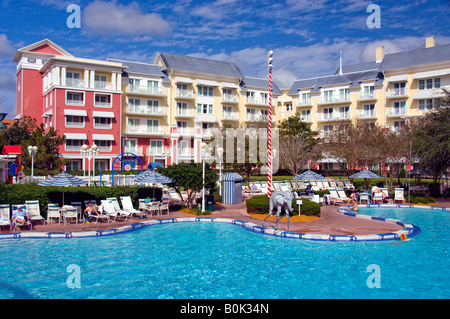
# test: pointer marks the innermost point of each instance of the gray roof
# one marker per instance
(360, 67)
(142, 68)
(207, 66)
(259, 83)
(423, 56)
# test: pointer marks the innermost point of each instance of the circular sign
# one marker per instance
(128, 167)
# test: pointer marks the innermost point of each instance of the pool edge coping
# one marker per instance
(409, 230)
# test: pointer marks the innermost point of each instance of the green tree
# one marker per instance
(189, 177)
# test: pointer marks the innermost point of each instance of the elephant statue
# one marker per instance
(281, 200)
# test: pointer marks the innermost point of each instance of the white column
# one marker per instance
(63, 76)
(119, 82)
(56, 75)
(86, 78)
(113, 81)
(92, 79)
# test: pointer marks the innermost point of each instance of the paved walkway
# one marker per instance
(330, 222)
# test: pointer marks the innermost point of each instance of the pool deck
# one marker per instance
(331, 222)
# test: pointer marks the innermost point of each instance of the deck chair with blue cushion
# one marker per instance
(15, 223)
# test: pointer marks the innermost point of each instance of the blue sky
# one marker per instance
(306, 35)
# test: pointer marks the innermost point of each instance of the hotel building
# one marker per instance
(163, 111)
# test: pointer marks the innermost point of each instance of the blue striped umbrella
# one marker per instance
(365, 174)
(63, 180)
(152, 177)
(309, 176)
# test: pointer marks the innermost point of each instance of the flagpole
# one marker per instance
(269, 173)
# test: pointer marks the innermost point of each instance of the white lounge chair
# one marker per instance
(121, 213)
(386, 193)
(348, 184)
(399, 195)
(127, 205)
(164, 207)
(377, 198)
(364, 197)
(70, 213)
(334, 197)
(53, 213)
(343, 195)
(14, 223)
(33, 210)
(77, 205)
(176, 197)
(333, 183)
(5, 216)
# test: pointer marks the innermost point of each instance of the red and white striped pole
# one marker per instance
(269, 173)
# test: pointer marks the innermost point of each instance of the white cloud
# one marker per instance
(6, 49)
(111, 18)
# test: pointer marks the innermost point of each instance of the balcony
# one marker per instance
(75, 102)
(102, 85)
(145, 90)
(367, 96)
(156, 151)
(397, 112)
(327, 117)
(300, 102)
(145, 130)
(230, 98)
(334, 99)
(306, 119)
(184, 113)
(258, 118)
(367, 115)
(397, 93)
(75, 83)
(184, 94)
(253, 100)
(230, 116)
(145, 110)
(138, 150)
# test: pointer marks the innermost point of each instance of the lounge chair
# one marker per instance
(364, 197)
(70, 213)
(153, 207)
(122, 213)
(77, 205)
(340, 184)
(176, 197)
(263, 187)
(127, 205)
(334, 197)
(343, 195)
(349, 184)
(317, 199)
(377, 198)
(5, 216)
(386, 193)
(333, 183)
(14, 223)
(53, 212)
(32, 207)
(164, 207)
(399, 195)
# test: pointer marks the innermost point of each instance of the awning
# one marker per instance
(179, 79)
(206, 119)
(428, 95)
(75, 112)
(398, 78)
(228, 85)
(103, 137)
(430, 74)
(46, 114)
(207, 83)
(73, 136)
(103, 114)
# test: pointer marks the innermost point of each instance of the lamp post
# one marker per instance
(89, 153)
(94, 153)
(220, 153)
(203, 147)
(32, 150)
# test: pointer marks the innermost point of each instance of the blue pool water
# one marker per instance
(213, 260)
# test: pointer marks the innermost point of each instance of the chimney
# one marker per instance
(379, 54)
(430, 42)
(340, 62)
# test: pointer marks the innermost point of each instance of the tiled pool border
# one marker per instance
(408, 230)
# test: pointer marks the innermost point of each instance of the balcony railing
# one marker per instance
(334, 99)
(180, 112)
(138, 150)
(306, 118)
(230, 98)
(150, 90)
(185, 94)
(232, 116)
(102, 85)
(145, 110)
(396, 112)
(323, 117)
(150, 130)
(75, 83)
(257, 100)
(367, 96)
(257, 118)
(397, 92)
(367, 115)
(303, 102)
(155, 151)
(75, 102)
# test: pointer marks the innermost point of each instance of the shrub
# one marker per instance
(421, 199)
(260, 205)
(19, 193)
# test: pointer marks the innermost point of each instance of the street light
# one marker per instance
(89, 153)
(32, 150)
(203, 147)
(220, 153)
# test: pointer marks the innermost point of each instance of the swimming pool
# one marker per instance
(214, 260)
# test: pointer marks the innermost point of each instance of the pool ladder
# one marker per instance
(276, 221)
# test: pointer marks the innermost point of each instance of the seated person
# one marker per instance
(255, 189)
(354, 202)
(375, 189)
(91, 210)
(20, 216)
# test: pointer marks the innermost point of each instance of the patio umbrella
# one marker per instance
(152, 177)
(63, 179)
(309, 175)
(417, 172)
(366, 174)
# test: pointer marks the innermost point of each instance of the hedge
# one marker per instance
(260, 205)
(19, 193)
